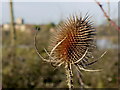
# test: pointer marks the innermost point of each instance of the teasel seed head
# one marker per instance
(72, 44)
(77, 34)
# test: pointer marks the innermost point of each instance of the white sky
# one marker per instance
(45, 12)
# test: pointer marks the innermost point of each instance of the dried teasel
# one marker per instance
(73, 43)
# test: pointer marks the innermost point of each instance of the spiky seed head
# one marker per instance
(79, 33)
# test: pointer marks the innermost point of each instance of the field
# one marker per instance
(22, 68)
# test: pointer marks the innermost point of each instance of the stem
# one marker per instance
(13, 32)
(69, 75)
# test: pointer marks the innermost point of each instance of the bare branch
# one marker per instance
(108, 18)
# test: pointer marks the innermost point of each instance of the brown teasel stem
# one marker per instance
(108, 18)
(69, 75)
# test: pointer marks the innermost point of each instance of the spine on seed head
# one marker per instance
(79, 33)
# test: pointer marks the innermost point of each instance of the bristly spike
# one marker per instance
(75, 29)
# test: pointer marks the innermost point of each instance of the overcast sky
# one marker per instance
(45, 12)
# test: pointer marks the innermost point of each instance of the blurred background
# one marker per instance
(21, 66)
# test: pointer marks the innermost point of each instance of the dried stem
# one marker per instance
(69, 75)
(108, 18)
